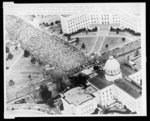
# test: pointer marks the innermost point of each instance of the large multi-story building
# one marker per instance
(130, 21)
(80, 101)
(104, 91)
(129, 95)
(109, 16)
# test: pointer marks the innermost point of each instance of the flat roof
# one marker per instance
(78, 95)
(126, 70)
(99, 82)
(128, 87)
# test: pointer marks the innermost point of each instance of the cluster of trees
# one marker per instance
(117, 30)
(78, 80)
(9, 56)
(47, 24)
(46, 96)
(33, 60)
(57, 22)
(93, 30)
(50, 24)
(79, 31)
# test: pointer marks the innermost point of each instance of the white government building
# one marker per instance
(103, 91)
(127, 18)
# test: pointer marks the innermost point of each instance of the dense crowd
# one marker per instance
(45, 48)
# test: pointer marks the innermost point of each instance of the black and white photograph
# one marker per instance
(74, 59)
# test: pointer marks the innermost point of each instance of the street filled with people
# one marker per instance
(45, 48)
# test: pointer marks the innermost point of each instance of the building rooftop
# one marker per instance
(128, 87)
(126, 70)
(99, 81)
(78, 95)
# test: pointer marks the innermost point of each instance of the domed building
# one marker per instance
(112, 69)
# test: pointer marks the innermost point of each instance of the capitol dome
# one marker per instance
(112, 69)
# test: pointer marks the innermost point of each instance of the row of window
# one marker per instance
(113, 72)
(88, 111)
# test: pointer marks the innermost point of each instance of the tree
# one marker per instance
(83, 46)
(96, 68)
(111, 28)
(60, 32)
(106, 46)
(52, 24)
(7, 49)
(26, 53)
(33, 60)
(10, 56)
(123, 39)
(7, 67)
(40, 63)
(30, 78)
(16, 47)
(11, 83)
(77, 40)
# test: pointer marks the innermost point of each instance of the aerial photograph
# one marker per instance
(86, 62)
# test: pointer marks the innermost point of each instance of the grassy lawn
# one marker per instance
(112, 42)
(15, 54)
(88, 41)
(21, 70)
(126, 34)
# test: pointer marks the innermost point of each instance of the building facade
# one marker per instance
(78, 101)
(136, 77)
(131, 102)
(72, 23)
